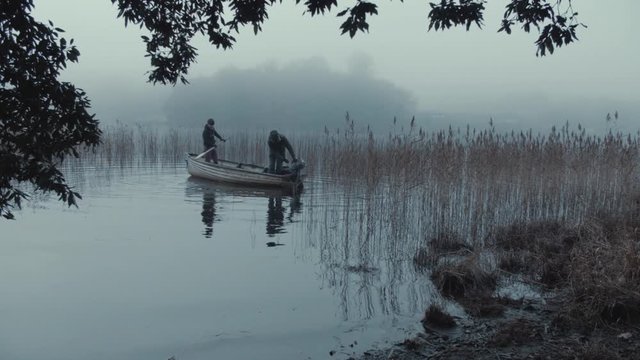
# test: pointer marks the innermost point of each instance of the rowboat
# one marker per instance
(244, 174)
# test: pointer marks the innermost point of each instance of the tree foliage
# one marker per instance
(42, 120)
(172, 24)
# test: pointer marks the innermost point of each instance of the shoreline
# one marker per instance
(587, 278)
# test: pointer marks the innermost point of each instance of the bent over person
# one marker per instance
(209, 135)
(277, 145)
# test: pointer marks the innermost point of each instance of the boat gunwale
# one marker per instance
(242, 189)
(283, 176)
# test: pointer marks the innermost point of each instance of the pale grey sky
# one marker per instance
(480, 71)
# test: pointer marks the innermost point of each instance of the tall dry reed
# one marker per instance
(385, 199)
(414, 184)
(377, 201)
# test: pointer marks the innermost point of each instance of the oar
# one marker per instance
(204, 153)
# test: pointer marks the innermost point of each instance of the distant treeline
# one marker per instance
(305, 95)
(309, 95)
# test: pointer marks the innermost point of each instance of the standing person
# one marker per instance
(277, 145)
(209, 135)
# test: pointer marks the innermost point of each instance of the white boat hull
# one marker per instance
(238, 173)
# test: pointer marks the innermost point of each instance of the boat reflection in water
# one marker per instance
(278, 200)
(276, 213)
(275, 216)
(208, 212)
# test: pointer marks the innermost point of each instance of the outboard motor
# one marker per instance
(294, 169)
(297, 166)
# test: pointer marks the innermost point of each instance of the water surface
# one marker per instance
(155, 264)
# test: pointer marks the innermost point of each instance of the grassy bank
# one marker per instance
(587, 277)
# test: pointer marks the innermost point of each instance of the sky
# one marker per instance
(480, 73)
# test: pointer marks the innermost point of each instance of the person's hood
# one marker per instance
(274, 136)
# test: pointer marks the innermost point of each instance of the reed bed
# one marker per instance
(466, 183)
(460, 206)
(126, 145)
(468, 178)
(416, 187)
(418, 196)
(376, 202)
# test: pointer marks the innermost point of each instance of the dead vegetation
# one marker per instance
(448, 242)
(483, 307)
(463, 278)
(516, 332)
(435, 316)
(597, 351)
(444, 244)
(539, 250)
(594, 267)
(590, 274)
(604, 272)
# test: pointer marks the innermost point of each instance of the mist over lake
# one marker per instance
(353, 180)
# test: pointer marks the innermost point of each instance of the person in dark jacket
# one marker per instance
(277, 145)
(209, 135)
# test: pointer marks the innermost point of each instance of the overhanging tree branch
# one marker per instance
(173, 24)
(42, 120)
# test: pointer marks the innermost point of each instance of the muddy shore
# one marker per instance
(586, 277)
(528, 331)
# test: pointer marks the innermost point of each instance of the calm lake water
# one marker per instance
(155, 264)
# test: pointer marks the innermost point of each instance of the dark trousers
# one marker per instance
(275, 163)
(211, 156)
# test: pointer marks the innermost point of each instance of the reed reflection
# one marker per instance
(295, 206)
(366, 249)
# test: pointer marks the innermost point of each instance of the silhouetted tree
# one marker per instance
(42, 120)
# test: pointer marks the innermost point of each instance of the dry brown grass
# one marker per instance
(435, 316)
(443, 245)
(516, 262)
(516, 332)
(483, 306)
(595, 266)
(539, 250)
(597, 351)
(460, 279)
(448, 242)
(604, 272)
(427, 184)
